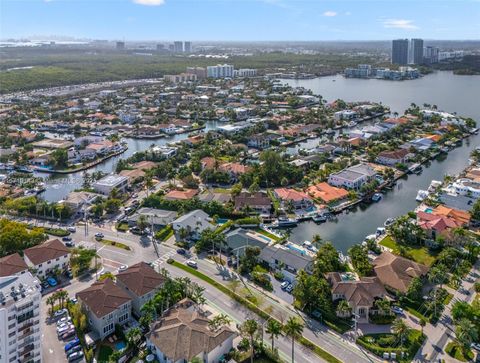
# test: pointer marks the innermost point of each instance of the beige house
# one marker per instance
(106, 304)
(183, 333)
(141, 282)
(12, 265)
(47, 257)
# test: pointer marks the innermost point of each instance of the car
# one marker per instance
(60, 313)
(65, 319)
(45, 285)
(475, 346)
(63, 325)
(284, 285)
(70, 244)
(122, 268)
(65, 329)
(99, 235)
(289, 288)
(73, 300)
(136, 230)
(75, 356)
(181, 251)
(71, 344)
(316, 314)
(69, 274)
(74, 349)
(67, 239)
(68, 334)
(71, 229)
(192, 264)
(397, 310)
(52, 282)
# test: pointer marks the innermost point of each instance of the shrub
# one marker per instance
(477, 286)
(170, 261)
(58, 232)
(386, 341)
(278, 275)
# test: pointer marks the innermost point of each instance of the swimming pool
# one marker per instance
(120, 345)
(429, 210)
(265, 238)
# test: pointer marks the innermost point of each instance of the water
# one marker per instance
(449, 92)
(59, 185)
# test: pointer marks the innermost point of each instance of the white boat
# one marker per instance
(352, 124)
(421, 195)
(377, 197)
(389, 222)
(285, 222)
(319, 218)
(434, 185)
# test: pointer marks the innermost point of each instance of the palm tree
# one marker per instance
(132, 337)
(422, 323)
(274, 328)
(51, 301)
(148, 182)
(250, 328)
(62, 295)
(293, 328)
(383, 306)
(400, 329)
(343, 308)
(466, 333)
(317, 239)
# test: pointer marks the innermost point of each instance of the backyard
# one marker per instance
(419, 254)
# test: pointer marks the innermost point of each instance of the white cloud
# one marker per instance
(149, 2)
(400, 24)
(330, 13)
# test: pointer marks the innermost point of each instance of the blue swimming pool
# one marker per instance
(428, 210)
(263, 237)
(120, 345)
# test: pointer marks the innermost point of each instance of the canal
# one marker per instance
(449, 92)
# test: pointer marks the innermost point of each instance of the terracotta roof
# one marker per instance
(103, 297)
(438, 223)
(460, 216)
(326, 192)
(12, 264)
(234, 168)
(396, 271)
(181, 194)
(141, 278)
(291, 194)
(183, 333)
(47, 251)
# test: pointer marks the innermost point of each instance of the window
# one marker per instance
(58, 259)
(108, 328)
(49, 262)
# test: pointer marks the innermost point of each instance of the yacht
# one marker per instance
(377, 197)
(318, 218)
(352, 124)
(421, 195)
(285, 222)
(434, 185)
(389, 222)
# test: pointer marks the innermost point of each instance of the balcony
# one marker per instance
(26, 333)
(27, 350)
(27, 324)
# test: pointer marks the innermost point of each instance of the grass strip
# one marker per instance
(304, 341)
(115, 244)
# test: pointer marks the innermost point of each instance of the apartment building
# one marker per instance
(47, 257)
(20, 331)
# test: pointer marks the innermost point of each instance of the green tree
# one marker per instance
(400, 329)
(466, 332)
(343, 308)
(274, 329)
(293, 329)
(250, 328)
(59, 158)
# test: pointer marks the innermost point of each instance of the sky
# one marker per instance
(236, 20)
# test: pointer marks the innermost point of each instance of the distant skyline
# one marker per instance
(241, 20)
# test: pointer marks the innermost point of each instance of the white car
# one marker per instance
(63, 325)
(289, 288)
(284, 285)
(60, 313)
(65, 328)
(122, 268)
(71, 229)
(65, 319)
(192, 264)
(397, 310)
(99, 235)
(475, 346)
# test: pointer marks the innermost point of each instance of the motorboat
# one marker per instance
(318, 218)
(285, 222)
(434, 185)
(389, 222)
(377, 197)
(421, 195)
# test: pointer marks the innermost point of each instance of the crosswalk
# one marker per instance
(159, 261)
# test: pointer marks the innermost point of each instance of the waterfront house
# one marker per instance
(326, 193)
(141, 282)
(106, 304)
(436, 225)
(397, 272)
(353, 177)
(297, 199)
(238, 239)
(258, 202)
(288, 259)
(106, 184)
(133, 175)
(392, 158)
(47, 257)
(183, 333)
(359, 294)
(460, 216)
(77, 200)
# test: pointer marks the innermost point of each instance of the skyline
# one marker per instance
(254, 20)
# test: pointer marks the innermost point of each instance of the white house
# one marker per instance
(47, 257)
(353, 177)
(109, 182)
(465, 186)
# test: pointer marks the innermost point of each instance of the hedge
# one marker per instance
(304, 341)
(414, 340)
(58, 232)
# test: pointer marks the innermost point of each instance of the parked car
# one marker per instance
(289, 288)
(65, 319)
(99, 235)
(61, 327)
(122, 268)
(397, 310)
(69, 274)
(52, 282)
(70, 244)
(181, 251)
(71, 344)
(68, 334)
(71, 229)
(284, 285)
(136, 230)
(475, 346)
(74, 349)
(75, 356)
(60, 313)
(73, 300)
(67, 239)
(45, 285)
(192, 264)
(65, 329)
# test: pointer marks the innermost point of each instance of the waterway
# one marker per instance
(449, 92)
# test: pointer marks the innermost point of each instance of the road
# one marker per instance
(439, 334)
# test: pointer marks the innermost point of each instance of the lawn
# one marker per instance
(419, 254)
(267, 234)
(164, 234)
(122, 227)
(104, 352)
(455, 351)
(114, 244)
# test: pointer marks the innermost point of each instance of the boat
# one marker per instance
(421, 195)
(352, 124)
(434, 185)
(29, 192)
(377, 197)
(24, 169)
(39, 188)
(285, 222)
(389, 222)
(318, 218)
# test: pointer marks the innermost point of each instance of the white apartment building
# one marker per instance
(245, 72)
(109, 182)
(220, 71)
(468, 187)
(47, 257)
(20, 333)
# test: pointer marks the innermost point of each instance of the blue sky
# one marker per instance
(242, 19)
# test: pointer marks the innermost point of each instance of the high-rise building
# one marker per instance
(415, 53)
(120, 45)
(160, 47)
(200, 72)
(187, 47)
(220, 71)
(20, 333)
(430, 55)
(178, 47)
(400, 51)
